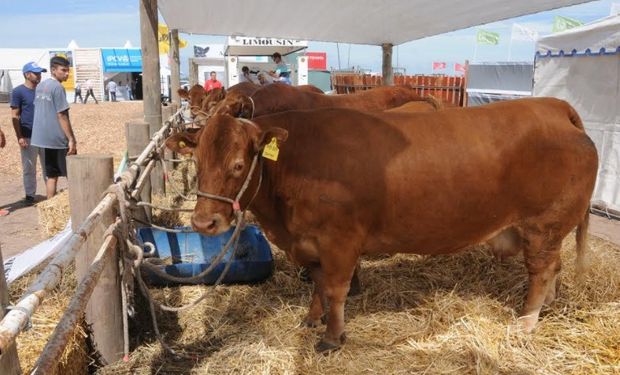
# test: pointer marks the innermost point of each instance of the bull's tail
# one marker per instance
(436, 103)
(574, 118)
(581, 264)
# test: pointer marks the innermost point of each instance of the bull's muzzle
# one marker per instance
(209, 224)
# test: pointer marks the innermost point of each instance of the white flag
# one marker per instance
(615, 9)
(523, 33)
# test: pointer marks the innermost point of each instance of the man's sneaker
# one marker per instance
(29, 200)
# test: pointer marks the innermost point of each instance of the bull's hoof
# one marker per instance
(326, 346)
(311, 323)
(526, 324)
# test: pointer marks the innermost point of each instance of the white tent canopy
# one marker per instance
(582, 66)
(349, 21)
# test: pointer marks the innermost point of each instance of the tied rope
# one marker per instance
(134, 259)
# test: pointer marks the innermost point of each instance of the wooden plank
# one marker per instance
(9, 361)
(89, 176)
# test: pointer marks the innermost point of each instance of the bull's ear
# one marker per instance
(183, 143)
(244, 107)
(278, 133)
(183, 93)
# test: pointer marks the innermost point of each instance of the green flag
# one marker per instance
(487, 37)
(564, 23)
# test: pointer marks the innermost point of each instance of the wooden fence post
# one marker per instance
(89, 176)
(138, 136)
(9, 362)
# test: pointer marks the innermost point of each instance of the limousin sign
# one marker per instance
(251, 46)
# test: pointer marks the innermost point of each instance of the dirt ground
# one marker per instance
(99, 129)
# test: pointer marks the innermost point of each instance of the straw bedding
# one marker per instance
(416, 314)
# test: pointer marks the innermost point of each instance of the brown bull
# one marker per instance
(348, 183)
(201, 101)
(280, 98)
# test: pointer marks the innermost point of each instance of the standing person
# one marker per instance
(129, 90)
(78, 93)
(213, 83)
(112, 90)
(89, 91)
(22, 113)
(51, 128)
(281, 73)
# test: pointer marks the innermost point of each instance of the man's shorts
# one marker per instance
(56, 162)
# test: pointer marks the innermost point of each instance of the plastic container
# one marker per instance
(188, 254)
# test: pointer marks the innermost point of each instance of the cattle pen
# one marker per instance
(97, 236)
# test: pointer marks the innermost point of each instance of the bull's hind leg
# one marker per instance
(337, 272)
(542, 258)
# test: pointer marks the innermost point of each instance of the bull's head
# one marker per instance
(237, 105)
(224, 151)
(195, 97)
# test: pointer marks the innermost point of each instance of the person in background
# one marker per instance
(112, 90)
(89, 91)
(51, 128)
(213, 83)
(22, 113)
(281, 73)
(78, 93)
(129, 91)
(246, 76)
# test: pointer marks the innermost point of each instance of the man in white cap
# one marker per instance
(22, 111)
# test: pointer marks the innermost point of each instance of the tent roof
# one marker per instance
(349, 21)
(602, 36)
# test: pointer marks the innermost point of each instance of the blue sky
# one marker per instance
(109, 23)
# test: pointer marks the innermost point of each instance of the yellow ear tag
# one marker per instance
(271, 151)
(182, 144)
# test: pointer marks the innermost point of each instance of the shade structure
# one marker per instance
(582, 66)
(372, 22)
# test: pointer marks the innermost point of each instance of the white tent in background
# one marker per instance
(72, 45)
(128, 44)
(582, 66)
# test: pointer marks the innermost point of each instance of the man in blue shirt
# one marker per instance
(52, 129)
(22, 113)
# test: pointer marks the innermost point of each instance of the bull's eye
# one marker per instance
(238, 167)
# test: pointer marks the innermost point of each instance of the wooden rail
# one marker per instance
(449, 89)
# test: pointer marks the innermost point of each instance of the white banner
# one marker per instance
(19, 265)
(522, 33)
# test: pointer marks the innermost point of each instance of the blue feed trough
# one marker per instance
(187, 254)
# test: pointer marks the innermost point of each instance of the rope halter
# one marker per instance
(236, 206)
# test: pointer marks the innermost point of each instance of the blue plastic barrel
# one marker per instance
(187, 254)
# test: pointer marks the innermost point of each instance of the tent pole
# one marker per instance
(151, 84)
(388, 73)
